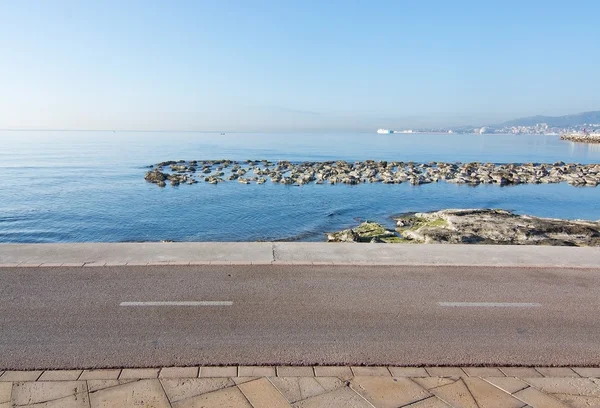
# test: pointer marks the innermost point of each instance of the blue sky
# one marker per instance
(293, 65)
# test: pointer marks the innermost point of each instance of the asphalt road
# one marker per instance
(74, 317)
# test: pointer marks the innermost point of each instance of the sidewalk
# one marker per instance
(296, 253)
(303, 387)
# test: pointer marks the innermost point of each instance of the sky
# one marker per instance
(297, 65)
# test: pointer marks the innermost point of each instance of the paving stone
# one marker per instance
(431, 402)
(5, 389)
(5, 404)
(578, 401)
(295, 371)
(100, 374)
(230, 397)
(262, 394)
(256, 371)
(135, 373)
(389, 392)
(143, 393)
(565, 385)
(508, 384)
(432, 382)
(241, 380)
(73, 264)
(408, 372)
(537, 398)
(445, 371)
(178, 389)
(488, 396)
(520, 372)
(51, 265)
(456, 394)
(299, 388)
(72, 401)
(333, 371)
(371, 371)
(29, 393)
(20, 375)
(178, 372)
(483, 372)
(556, 372)
(342, 397)
(97, 385)
(587, 371)
(231, 371)
(60, 375)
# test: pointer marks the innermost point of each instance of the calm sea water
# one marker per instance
(88, 186)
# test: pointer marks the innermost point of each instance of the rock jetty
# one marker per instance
(582, 138)
(370, 171)
(478, 226)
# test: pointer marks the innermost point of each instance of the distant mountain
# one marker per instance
(556, 121)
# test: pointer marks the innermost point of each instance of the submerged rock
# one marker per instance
(490, 226)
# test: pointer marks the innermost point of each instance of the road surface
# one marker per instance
(136, 316)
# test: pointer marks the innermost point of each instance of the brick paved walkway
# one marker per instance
(303, 387)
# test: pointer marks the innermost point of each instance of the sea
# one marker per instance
(88, 186)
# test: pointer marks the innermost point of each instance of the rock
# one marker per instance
(490, 226)
(365, 232)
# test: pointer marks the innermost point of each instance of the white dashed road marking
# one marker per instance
(487, 304)
(204, 303)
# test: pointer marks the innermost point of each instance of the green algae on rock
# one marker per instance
(365, 232)
(494, 226)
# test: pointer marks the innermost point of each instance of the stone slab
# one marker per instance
(100, 374)
(295, 389)
(536, 398)
(520, 372)
(230, 397)
(483, 372)
(178, 372)
(587, 371)
(229, 371)
(488, 396)
(388, 392)
(28, 393)
(556, 372)
(333, 371)
(295, 371)
(135, 373)
(342, 397)
(262, 394)
(143, 393)
(371, 371)
(408, 372)
(5, 391)
(60, 375)
(178, 389)
(20, 375)
(256, 371)
(445, 371)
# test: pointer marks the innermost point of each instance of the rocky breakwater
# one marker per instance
(476, 226)
(582, 138)
(370, 171)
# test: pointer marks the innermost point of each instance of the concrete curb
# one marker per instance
(301, 253)
(294, 371)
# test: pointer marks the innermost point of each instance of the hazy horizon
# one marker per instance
(267, 66)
